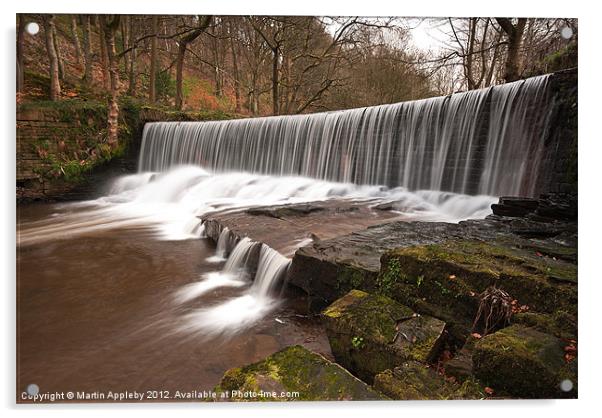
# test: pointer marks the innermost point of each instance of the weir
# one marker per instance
(488, 141)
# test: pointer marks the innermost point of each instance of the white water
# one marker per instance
(221, 247)
(487, 141)
(171, 203)
(242, 311)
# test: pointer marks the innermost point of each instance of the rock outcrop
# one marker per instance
(294, 374)
(371, 333)
(525, 363)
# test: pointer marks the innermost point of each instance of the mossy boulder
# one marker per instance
(416, 381)
(524, 362)
(445, 279)
(294, 374)
(560, 324)
(371, 333)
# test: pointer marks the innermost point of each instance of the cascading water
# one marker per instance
(485, 141)
(271, 269)
(221, 247)
(427, 159)
(234, 273)
(239, 312)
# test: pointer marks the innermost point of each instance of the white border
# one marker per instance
(589, 212)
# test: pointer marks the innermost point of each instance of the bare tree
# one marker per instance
(152, 88)
(104, 57)
(183, 41)
(76, 43)
(87, 49)
(53, 62)
(514, 33)
(59, 58)
(20, 52)
(109, 24)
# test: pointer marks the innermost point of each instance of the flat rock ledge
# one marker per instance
(294, 374)
(328, 269)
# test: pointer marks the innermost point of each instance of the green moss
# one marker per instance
(522, 362)
(295, 369)
(561, 324)
(444, 279)
(349, 278)
(369, 333)
(416, 381)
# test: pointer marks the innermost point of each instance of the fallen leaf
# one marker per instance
(537, 253)
(488, 390)
(477, 335)
(452, 277)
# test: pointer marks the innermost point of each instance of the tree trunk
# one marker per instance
(78, 49)
(179, 74)
(104, 60)
(87, 78)
(53, 67)
(182, 45)
(236, 73)
(275, 95)
(59, 58)
(472, 30)
(133, 57)
(514, 33)
(20, 59)
(109, 28)
(153, 64)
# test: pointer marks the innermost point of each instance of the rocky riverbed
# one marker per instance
(425, 310)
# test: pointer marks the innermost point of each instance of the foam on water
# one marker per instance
(170, 204)
(245, 310)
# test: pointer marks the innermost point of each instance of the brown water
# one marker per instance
(96, 312)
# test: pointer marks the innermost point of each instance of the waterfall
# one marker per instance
(222, 247)
(486, 141)
(240, 312)
(271, 270)
(241, 258)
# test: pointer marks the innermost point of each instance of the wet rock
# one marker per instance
(460, 366)
(372, 333)
(283, 211)
(295, 369)
(416, 381)
(514, 206)
(445, 279)
(559, 206)
(328, 269)
(524, 362)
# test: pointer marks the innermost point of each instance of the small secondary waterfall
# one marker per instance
(242, 311)
(487, 141)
